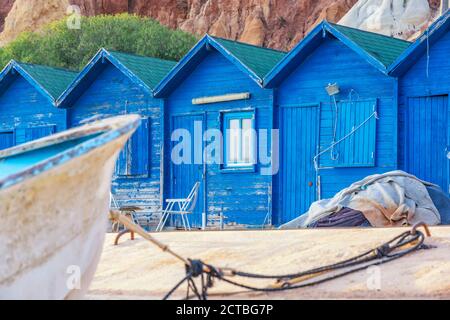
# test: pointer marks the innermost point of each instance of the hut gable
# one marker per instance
(27, 97)
(377, 50)
(110, 93)
(253, 61)
(49, 81)
(145, 72)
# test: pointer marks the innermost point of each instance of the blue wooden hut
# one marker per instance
(336, 109)
(115, 83)
(28, 94)
(423, 71)
(217, 87)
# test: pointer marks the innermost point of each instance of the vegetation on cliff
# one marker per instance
(60, 46)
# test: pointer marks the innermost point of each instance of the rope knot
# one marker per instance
(383, 251)
(195, 268)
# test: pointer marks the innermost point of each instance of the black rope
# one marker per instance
(342, 264)
(382, 254)
(188, 276)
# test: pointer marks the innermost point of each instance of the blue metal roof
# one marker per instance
(419, 47)
(376, 49)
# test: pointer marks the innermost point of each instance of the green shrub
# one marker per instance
(57, 45)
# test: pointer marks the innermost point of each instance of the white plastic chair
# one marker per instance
(185, 207)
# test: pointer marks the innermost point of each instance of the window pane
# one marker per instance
(234, 141)
(247, 141)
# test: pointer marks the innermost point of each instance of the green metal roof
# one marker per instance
(258, 59)
(383, 48)
(150, 70)
(53, 80)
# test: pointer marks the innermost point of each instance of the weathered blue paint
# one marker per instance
(191, 60)
(26, 109)
(103, 89)
(243, 196)
(324, 57)
(308, 45)
(6, 139)
(424, 86)
(89, 73)
(12, 70)
(183, 176)
(427, 131)
(134, 158)
(36, 132)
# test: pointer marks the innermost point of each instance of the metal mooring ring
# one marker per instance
(418, 225)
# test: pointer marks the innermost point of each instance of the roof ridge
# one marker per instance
(45, 66)
(370, 32)
(140, 56)
(250, 45)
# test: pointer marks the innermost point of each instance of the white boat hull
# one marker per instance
(53, 226)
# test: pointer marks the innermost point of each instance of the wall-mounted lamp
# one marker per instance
(332, 89)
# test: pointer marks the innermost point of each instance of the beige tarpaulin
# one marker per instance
(391, 199)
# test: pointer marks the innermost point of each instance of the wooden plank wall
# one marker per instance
(243, 197)
(333, 62)
(113, 93)
(22, 106)
(427, 77)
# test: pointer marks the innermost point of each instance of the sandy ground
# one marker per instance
(138, 270)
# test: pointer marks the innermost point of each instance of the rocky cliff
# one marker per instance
(278, 24)
(26, 15)
(274, 23)
(5, 7)
(398, 18)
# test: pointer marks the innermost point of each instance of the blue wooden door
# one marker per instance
(298, 141)
(185, 175)
(427, 139)
(6, 140)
